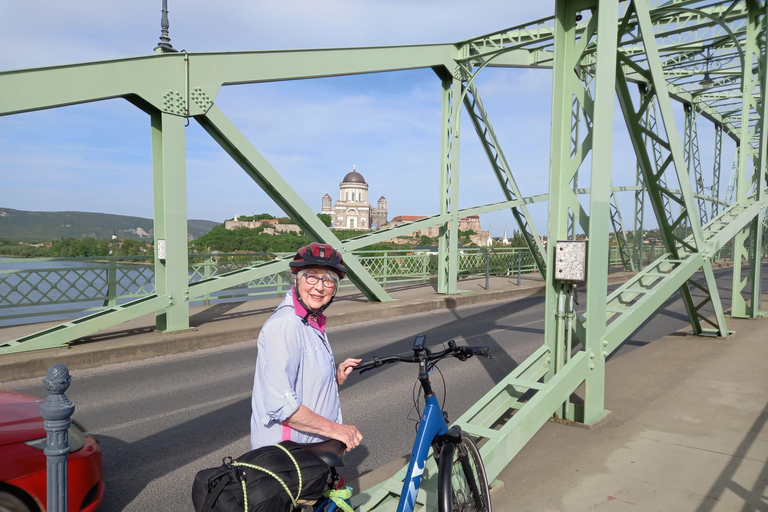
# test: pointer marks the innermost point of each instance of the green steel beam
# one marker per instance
(173, 81)
(503, 172)
(688, 215)
(621, 234)
(256, 166)
(242, 275)
(746, 280)
(599, 207)
(634, 301)
(693, 158)
(572, 106)
(638, 235)
(382, 235)
(716, 167)
(169, 185)
(760, 173)
(535, 413)
(63, 334)
(447, 273)
(653, 175)
(721, 24)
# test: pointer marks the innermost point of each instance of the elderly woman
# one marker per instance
(296, 386)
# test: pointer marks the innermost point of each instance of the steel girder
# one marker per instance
(169, 187)
(638, 233)
(568, 149)
(668, 226)
(716, 167)
(693, 159)
(747, 245)
(684, 30)
(256, 166)
(634, 301)
(448, 252)
(620, 233)
(172, 87)
(501, 169)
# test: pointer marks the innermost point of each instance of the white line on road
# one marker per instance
(493, 331)
(218, 401)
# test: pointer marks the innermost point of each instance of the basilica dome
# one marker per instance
(354, 177)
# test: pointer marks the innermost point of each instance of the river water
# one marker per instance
(25, 282)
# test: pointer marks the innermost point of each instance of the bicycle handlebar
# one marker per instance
(461, 353)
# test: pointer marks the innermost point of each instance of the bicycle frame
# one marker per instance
(432, 425)
(433, 429)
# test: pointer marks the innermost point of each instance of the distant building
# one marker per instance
(271, 226)
(352, 210)
(471, 223)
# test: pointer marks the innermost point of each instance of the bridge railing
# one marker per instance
(35, 288)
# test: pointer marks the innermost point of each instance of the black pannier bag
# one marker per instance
(226, 488)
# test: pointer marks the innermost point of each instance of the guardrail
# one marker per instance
(31, 289)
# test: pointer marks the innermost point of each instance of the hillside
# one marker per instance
(44, 226)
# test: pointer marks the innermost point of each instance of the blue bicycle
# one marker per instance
(462, 483)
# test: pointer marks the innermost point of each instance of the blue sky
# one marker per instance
(96, 157)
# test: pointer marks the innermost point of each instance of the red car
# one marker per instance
(23, 463)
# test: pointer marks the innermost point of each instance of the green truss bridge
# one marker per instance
(648, 64)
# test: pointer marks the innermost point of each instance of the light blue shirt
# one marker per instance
(294, 366)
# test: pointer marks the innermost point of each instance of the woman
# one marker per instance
(296, 385)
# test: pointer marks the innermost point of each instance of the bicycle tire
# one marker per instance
(460, 469)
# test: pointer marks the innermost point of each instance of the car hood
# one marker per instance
(20, 418)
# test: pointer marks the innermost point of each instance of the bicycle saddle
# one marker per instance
(331, 452)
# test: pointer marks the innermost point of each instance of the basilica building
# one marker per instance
(352, 210)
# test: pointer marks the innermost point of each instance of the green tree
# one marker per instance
(326, 218)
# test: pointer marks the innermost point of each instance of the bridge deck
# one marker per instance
(687, 430)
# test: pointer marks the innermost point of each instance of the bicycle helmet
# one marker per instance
(319, 255)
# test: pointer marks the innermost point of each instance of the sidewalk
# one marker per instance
(688, 433)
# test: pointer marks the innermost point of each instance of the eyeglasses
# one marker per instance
(328, 282)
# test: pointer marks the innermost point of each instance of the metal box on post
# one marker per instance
(571, 260)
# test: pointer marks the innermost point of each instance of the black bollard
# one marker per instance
(57, 413)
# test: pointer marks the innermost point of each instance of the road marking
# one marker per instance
(218, 401)
(493, 331)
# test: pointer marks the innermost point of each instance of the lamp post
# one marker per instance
(164, 46)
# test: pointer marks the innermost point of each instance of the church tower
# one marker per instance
(381, 213)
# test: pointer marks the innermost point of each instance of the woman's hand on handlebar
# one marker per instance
(345, 368)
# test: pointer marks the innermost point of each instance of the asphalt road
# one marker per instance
(160, 421)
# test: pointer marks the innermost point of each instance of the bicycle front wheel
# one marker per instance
(463, 485)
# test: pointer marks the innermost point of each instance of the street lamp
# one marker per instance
(707, 81)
